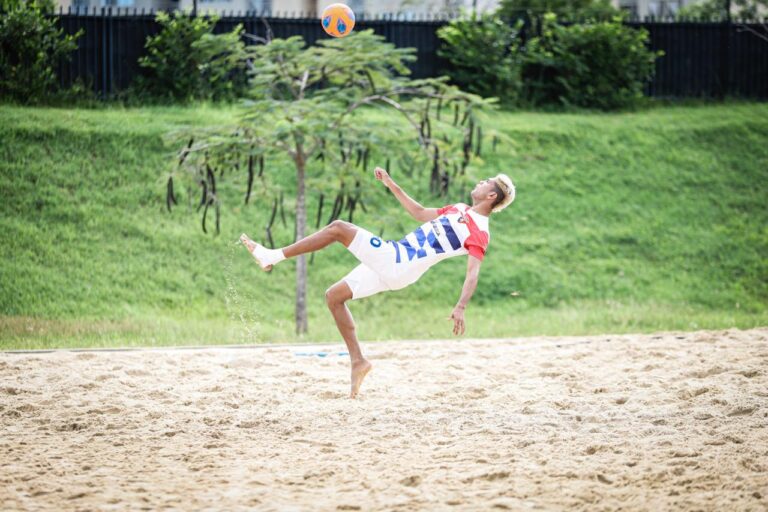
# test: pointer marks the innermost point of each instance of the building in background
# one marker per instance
(404, 8)
(654, 8)
(370, 8)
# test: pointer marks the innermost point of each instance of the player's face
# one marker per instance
(483, 188)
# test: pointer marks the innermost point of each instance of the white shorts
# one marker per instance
(377, 271)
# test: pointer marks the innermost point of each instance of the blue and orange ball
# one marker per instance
(338, 20)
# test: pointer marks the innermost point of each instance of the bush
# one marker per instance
(186, 61)
(717, 10)
(484, 56)
(30, 49)
(565, 10)
(40, 5)
(599, 65)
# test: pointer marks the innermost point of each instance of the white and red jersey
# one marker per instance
(455, 232)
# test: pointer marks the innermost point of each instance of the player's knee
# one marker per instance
(336, 227)
(337, 294)
(331, 297)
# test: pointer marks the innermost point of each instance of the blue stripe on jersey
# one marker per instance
(410, 251)
(450, 233)
(397, 250)
(420, 251)
(432, 239)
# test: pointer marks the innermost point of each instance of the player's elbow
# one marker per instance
(421, 215)
(425, 214)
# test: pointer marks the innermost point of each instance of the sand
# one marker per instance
(672, 421)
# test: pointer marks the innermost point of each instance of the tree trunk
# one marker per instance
(301, 262)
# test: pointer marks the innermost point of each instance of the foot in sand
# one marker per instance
(254, 249)
(359, 370)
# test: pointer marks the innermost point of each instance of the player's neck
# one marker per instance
(483, 209)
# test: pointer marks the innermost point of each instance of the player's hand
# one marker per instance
(383, 176)
(458, 320)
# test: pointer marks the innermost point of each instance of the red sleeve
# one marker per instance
(477, 243)
(446, 209)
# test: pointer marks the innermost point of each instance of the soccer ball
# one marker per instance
(338, 20)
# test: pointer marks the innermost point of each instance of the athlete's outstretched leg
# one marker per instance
(336, 296)
(336, 231)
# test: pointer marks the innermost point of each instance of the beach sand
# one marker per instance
(670, 421)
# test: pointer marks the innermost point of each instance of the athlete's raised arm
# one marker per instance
(417, 211)
(470, 283)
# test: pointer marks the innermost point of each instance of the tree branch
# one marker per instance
(303, 84)
(747, 28)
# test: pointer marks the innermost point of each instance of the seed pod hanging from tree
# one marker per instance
(205, 213)
(353, 200)
(170, 197)
(467, 113)
(466, 147)
(218, 217)
(366, 154)
(338, 204)
(270, 223)
(445, 181)
(211, 178)
(341, 148)
(479, 140)
(351, 207)
(204, 198)
(250, 179)
(320, 203)
(282, 210)
(185, 151)
(434, 179)
(360, 153)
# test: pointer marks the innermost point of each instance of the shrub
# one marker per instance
(565, 10)
(186, 61)
(484, 56)
(717, 10)
(598, 65)
(30, 49)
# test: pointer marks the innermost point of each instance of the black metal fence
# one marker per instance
(700, 59)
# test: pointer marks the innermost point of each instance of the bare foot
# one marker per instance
(359, 370)
(251, 245)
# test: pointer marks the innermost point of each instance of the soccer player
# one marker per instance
(453, 230)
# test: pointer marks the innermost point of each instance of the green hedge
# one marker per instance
(30, 48)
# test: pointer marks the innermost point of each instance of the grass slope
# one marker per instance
(655, 220)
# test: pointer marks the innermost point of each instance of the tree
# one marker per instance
(306, 104)
(565, 10)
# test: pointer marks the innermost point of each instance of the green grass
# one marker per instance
(632, 222)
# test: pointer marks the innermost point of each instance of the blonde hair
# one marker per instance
(508, 188)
